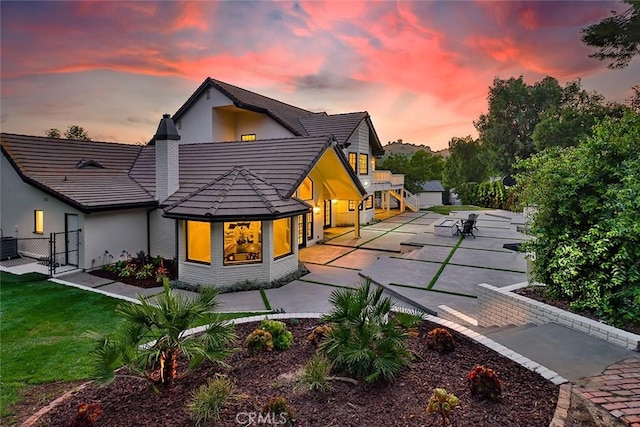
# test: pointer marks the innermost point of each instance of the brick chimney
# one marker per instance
(167, 158)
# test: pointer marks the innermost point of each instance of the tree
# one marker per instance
(53, 133)
(617, 37)
(572, 120)
(76, 133)
(514, 111)
(465, 163)
(418, 168)
(586, 229)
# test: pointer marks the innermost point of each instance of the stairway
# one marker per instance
(410, 200)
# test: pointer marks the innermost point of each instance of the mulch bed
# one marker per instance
(527, 398)
(141, 283)
(538, 293)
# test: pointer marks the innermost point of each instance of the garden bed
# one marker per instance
(527, 398)
(142, 271)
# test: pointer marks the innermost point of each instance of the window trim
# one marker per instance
(186, 245)
(229, 263)
(37, 230)
(362, 156)
(369, 203)
(353, 160)
(291, 242)
(247, 137)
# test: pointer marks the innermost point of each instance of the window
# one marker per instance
(305, 191)
(242, 242)
(363, 167)
(248, 137)
(373, 163)
(38, 222)
(309, 226)
(282, 237)
(352, 161)
(199, 241)
(352, 205)
(369, 202)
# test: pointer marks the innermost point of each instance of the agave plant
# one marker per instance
(152, 336)
(363, 339)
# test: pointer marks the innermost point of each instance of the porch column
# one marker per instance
(402, 200)
(356, 222)
(387, 201)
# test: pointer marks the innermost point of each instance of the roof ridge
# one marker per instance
(260, 193)
(77, 141)
(258, 94)
(209, 184)
(259, 140)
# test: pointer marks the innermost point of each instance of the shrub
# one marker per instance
(409, 322)
(440, 340)
(128, 271)
(317, 335)
(365, 340)
(278, 412)
(209, 399)
(151, 336)
(484, 383)
(442, 403)
(282, 339)
(316, 372)
(258, 340)
(86, 415)
(145, 272)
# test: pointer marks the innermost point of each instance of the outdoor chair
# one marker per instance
(467, 228)
(474, 218)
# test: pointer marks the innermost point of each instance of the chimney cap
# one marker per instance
(166, 130)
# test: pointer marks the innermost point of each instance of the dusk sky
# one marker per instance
(422, 69)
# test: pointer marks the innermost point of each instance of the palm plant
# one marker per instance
(364, 340)
(152, 336)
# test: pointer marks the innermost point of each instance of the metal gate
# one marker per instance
(57, 250)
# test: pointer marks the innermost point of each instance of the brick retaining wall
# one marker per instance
(501, 307)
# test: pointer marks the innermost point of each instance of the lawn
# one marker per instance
(41, 326)
(446, 209)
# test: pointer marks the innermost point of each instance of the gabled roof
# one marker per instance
(59, 168)
(280, 163)
(239, 194)
(285, 114)
(341, 126)
(435, 186)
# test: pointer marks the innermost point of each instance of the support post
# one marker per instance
(356, 222)
(402, 200)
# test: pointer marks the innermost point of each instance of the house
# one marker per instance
(431, 194)
(231, 186)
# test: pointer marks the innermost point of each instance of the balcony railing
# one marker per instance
(386, 178)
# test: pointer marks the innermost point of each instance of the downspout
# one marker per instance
(149, 231)
(177, 249)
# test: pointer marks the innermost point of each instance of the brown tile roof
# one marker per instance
(342, 126)
(285, 114)
(88, 175)
(280, 164)
(236, 195)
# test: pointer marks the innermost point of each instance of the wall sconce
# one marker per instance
(316, 209)
(366, 184)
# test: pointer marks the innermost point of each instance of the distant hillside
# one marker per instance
(399, 147)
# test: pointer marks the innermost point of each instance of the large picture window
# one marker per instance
(38, 222)
(282, 237)
(363, 166)
(199, 241)
(242, 242)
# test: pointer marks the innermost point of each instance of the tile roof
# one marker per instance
(236, 195)
(89, 175)
(435, 186)
(342, 126)
(285, 114)
(279, 164)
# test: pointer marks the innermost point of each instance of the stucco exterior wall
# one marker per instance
(113, 232)
(218, 274)
(202, 123)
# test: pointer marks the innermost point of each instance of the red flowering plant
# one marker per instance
(86, 415)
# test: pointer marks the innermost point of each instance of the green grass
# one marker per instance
(446, 209)
(41, 325)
